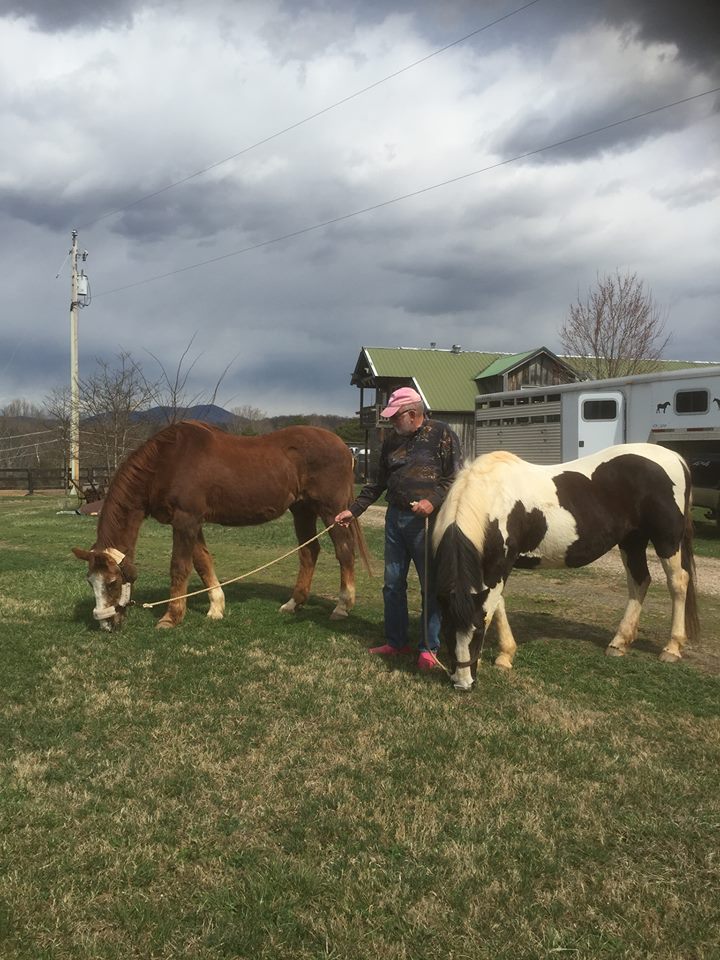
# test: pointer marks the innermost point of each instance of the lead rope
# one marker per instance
(195, 593)
(425, 598)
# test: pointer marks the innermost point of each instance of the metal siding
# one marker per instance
(537, 443)
(497, 429)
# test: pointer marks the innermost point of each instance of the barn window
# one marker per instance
(691, 401)
(599, 410)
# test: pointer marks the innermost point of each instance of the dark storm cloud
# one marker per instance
(466, 282)
(539, 129)
(257, 213)
(694, 26)
(51, 16)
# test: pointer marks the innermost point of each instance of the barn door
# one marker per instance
(601, 422)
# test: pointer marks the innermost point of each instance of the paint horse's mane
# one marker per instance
(474, 491)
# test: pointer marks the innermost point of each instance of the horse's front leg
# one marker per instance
(342, 538)
(462, 677)
(469, 644)
(185, 534)
(203, 563)
(305, 521)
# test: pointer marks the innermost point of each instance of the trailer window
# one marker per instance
(691, 401)
(599, 410)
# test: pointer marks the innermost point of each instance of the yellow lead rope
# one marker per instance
(195, 593)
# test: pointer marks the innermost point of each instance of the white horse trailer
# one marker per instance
(679, 409)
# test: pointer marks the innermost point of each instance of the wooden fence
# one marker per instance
(93, 480)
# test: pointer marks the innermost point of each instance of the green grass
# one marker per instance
(260, 788)
(707, 534)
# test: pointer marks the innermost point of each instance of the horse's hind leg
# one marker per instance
(185, 533)
(677, 581)
(203, 563)
(305, 521)
(633, 551)
(342, 539)
(506, 640)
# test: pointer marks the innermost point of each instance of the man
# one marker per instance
(418, 462)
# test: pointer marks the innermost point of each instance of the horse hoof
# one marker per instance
(339, 614)
(614, 652)
(164, 625)
(289, 607)
(503, 663)
(667, 657)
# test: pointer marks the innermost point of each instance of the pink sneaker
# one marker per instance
(386, 650)
(426, 661)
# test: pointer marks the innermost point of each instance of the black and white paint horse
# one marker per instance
(502, 512)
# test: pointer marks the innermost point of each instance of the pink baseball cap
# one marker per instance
(399, 399)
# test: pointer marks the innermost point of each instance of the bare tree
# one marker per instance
(29, 438)
(250, 421)
(618, 329)
(58, 405)
(21, 408)
(171, 388)
(110, 402)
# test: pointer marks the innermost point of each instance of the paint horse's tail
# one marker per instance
(687, 559)
(458, 575)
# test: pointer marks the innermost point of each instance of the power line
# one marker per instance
(406, 196)
(313, 116)
(20, 436)
(28, 446)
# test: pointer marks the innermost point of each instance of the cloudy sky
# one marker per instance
(203, 152)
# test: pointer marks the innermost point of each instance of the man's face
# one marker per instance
(405, 422)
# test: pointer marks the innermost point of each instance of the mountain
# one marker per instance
(207, 412)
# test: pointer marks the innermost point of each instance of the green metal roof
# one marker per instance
(504, 363)
(444, 378)
(585, 366)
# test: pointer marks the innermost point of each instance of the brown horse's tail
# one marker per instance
(360, 545)
(687, 559)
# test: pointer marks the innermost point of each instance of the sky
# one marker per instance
(265, 187)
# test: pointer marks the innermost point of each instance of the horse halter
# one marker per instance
(467, 663)
(106, 612)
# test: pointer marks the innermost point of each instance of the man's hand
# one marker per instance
(423, 507)
(344, 518)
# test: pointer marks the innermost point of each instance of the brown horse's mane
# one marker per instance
(128, 490)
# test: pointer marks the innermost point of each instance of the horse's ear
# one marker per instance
(80, 553)
(129, 571)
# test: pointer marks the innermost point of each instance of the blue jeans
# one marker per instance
(405, 541)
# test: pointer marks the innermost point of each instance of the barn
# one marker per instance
(448, 380)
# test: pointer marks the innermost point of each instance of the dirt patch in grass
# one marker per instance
(607, 595)
(707, 570)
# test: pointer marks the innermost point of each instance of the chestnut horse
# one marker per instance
(191, 473)
(502, 512)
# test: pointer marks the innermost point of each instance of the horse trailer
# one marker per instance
(679, 409)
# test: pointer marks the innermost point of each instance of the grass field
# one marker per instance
(261, 788)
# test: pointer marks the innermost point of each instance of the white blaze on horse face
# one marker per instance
(102, 612)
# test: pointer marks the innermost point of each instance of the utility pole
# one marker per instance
(78, 298)
(74, 386)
